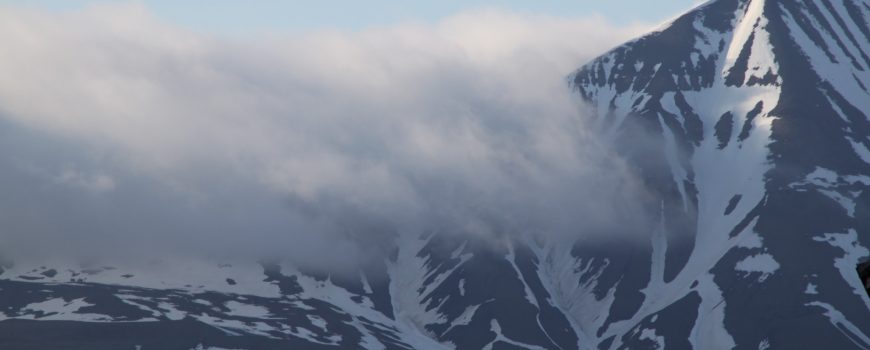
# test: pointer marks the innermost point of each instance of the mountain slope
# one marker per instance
(755, 138)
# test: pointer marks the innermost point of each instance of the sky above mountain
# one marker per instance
(228, 16)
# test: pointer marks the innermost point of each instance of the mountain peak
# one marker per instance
(747, 40)
(757, 147)
(749, 56)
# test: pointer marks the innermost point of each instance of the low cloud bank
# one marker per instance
(119, 130)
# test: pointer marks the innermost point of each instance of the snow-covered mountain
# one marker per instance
(760, 157)
(747, 120)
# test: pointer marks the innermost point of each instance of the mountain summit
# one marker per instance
(747, 121)
(757, 142)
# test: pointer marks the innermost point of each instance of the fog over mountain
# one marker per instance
(120, 128)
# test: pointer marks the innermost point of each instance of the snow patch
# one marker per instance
(246, 310)
(650, 334)
(759, 263)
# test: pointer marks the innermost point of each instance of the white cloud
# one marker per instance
(463, 121)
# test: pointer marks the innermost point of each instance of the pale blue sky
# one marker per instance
(253, 15)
